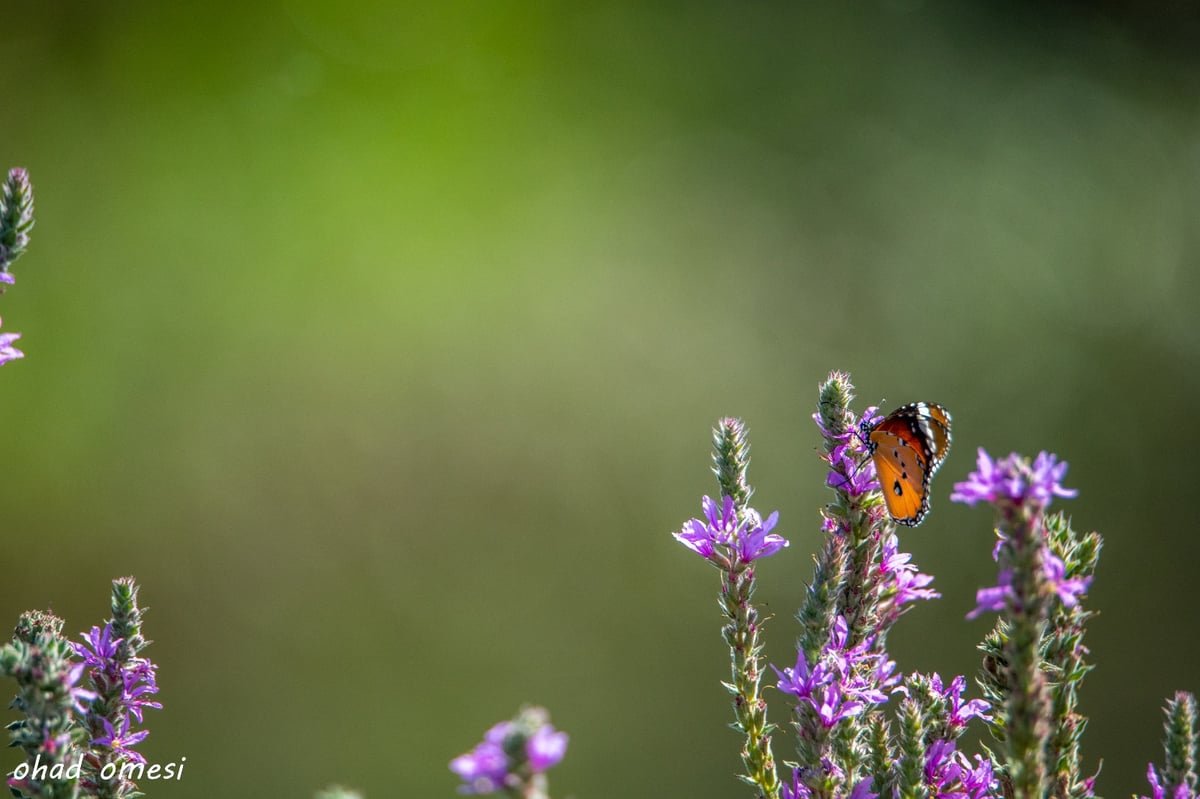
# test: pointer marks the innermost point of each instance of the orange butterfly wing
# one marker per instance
(907, 448)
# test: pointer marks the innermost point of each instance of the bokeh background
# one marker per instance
(381, 342)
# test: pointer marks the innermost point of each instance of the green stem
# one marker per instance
(1029, 699)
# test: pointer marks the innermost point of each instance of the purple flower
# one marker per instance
(78, 694)
(998, 597)
(755, 540)
(122, 741)
(1013, 479)
(1045, 482)
(545, 748)
(721, 531)
(1067, 590)
(908, 584)
(978, 782)
(138, 682)
(849, 472)
(1158, 791)
(849, 468)
(482, 770)
(862, 790)
(957, 712)
(995, 598)
(940, 765)
(703, 536)
(798, 790)
(961, 712)
(101, 648)
(7, 351)
(950, 774)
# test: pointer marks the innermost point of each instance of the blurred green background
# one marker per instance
(382, 342)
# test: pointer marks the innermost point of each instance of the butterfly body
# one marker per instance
(907, 447)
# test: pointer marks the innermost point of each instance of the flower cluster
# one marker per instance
(945, 702)
(846, 453)
(901, 583)
(125, 684)
(999, 596)
(728, 541)
(844, 681)
(512, 756)
(1014, 479)
(949, 774)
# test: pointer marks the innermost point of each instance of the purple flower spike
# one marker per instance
(1013, 479)
(125, 683)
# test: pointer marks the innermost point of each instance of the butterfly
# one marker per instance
(908, 446)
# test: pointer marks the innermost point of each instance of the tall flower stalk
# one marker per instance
(123, 682)
(732, 536)
(1040, 633)
(862, 584)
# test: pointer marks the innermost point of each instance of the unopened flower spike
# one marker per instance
(51, 700)
(1177, 778)
(16, 219)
